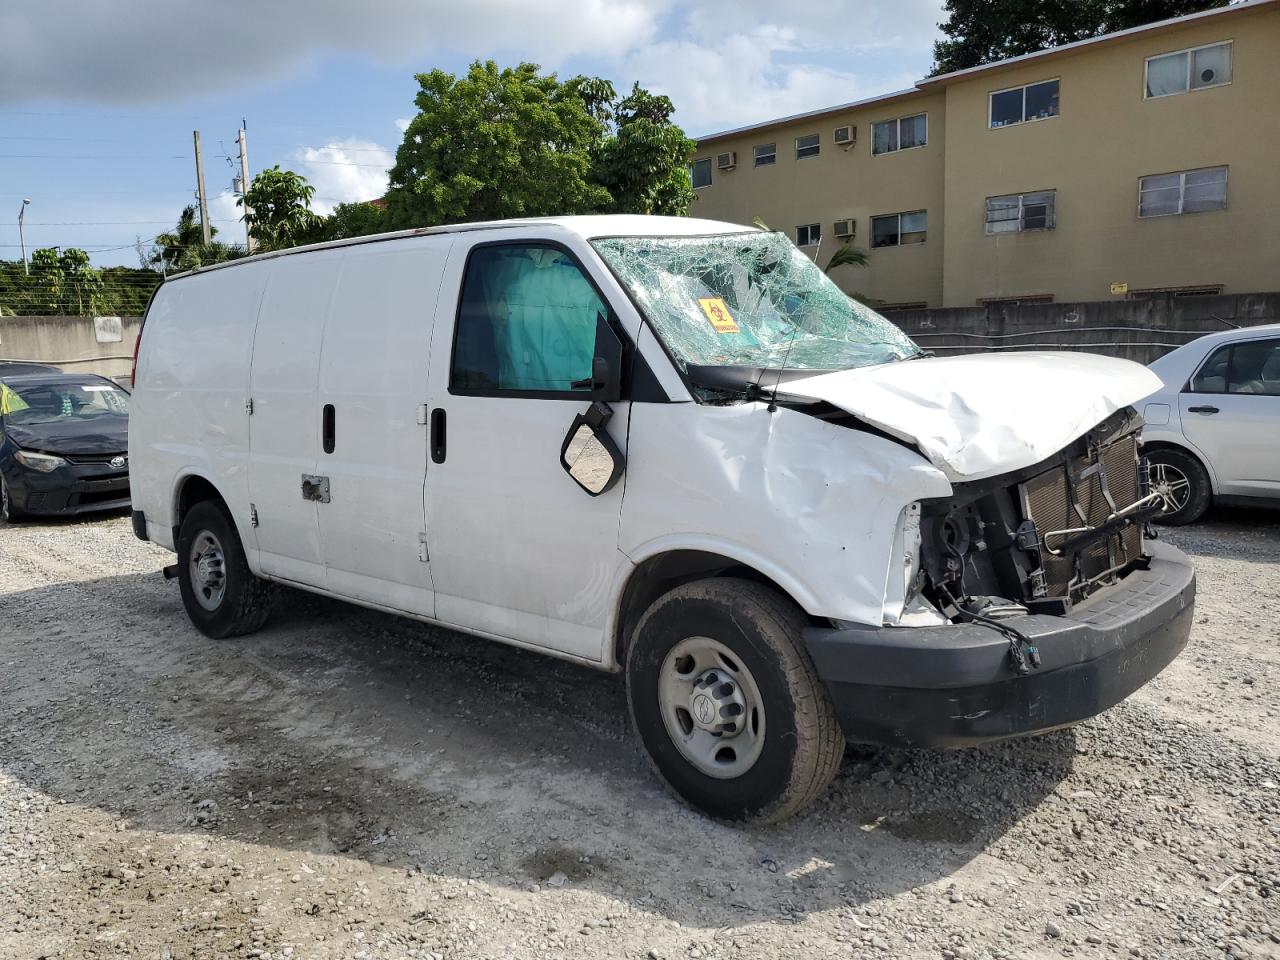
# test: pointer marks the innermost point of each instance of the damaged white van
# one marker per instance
(670, 448)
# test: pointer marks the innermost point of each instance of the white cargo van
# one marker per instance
(670, 448)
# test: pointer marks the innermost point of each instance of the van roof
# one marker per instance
(587, 226)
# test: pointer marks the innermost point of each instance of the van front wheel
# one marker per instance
(222, 596)
(727, 702)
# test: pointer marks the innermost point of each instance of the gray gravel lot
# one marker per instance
(347, 784)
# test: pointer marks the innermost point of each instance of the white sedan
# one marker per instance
(1213, 430)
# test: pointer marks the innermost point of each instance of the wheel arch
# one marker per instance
(192, 488)
(666, 569)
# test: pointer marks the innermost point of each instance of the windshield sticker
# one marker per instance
(96, 389)
(718, 313)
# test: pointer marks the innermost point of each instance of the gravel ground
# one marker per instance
(349, 785)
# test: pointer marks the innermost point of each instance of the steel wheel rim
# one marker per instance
(1172, 484)
(208, 568)
(711, 707)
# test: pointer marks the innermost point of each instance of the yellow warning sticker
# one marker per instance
(718, 314)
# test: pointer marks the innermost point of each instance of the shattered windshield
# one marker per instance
(751, 299)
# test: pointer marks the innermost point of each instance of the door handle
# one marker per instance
(327, 428)
(1204, 409)
(438, 435)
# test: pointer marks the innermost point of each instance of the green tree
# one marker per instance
(848, 255)
(183, 248)
(983, 31)
(353, 220)
(494, 144)
(280, 214)
(643, 164)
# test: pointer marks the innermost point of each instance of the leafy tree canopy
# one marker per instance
(183, 248)
(983, 31)
(353, 220)
(513, 142)
(279, 214)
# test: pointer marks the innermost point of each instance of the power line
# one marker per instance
(62, 156)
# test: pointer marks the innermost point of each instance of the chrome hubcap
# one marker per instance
(711, 707)
(1172, 485)
(208, 570)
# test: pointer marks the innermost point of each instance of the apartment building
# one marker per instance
(1136, 163)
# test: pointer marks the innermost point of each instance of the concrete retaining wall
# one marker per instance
(1140, 330)
(102, 345)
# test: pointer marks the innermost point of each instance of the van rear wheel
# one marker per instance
(222, 596)
(727, 702)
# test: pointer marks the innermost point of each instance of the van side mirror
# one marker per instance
(589, 454)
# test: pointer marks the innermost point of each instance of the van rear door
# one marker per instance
(372, 451)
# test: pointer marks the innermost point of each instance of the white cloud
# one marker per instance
(345, 171)
(112, 52)
(225, 215)
(402, 123)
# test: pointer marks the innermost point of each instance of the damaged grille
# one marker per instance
(1084, 492)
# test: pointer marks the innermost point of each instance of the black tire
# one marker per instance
(1174, 463)
(244, 602)
(8, 512)
(802, 744)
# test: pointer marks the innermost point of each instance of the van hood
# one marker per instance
(984, 414)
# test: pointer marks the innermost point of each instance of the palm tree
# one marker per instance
(184, 248)
(848, 255)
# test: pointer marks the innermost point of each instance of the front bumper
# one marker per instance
(67, 491)
(953, 686)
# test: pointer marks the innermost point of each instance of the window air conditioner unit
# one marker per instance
(844, 228)
(727, 161)
(846, 136)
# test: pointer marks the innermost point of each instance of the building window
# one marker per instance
(700, 171)
(898, 229)
(1177, 293)
(1022, 211)
(1036, 101)
(1191, 191)
(808, 235)
(1019, 301)
(765, 154)
(1194, 69)
(901, 134)
(807, 146)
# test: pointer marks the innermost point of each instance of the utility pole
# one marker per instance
(22, 240)
(244, 189)
(205, 232)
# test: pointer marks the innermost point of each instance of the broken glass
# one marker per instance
(750, 299)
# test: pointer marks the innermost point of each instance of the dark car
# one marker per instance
(64, 441)
(23, 368)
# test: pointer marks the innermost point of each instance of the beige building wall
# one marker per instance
(1106, 136)
(843, 183)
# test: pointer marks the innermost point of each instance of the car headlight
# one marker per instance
(41, 462)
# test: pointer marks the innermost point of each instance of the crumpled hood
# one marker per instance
(107, 434)
(985, 414)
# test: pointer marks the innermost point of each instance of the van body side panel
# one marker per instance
(284, 430)
(188, 413)
(373, 372)
(518, 549)
(810, 504)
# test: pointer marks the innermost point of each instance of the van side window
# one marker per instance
(526, 322)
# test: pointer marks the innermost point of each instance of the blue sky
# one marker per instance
(98, 98)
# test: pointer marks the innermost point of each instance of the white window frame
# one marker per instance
(710, 162)
(1022, 203)
(811, 227)
(992, 94)
(817, 147)
(1146, 67)
(755, 157)
(1182, 192)
(898, 121)
(899, 215)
